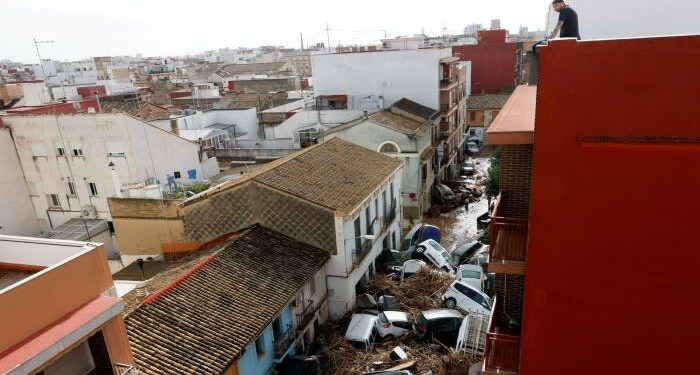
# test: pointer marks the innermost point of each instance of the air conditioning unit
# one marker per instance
(88, 212)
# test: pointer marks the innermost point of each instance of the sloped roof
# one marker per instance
(414, 108)
(335, 174)
(400, 123)
(487, 101)
(202, 321)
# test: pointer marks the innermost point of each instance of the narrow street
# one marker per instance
(459, 225)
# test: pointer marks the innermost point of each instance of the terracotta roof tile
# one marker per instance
(400, 123)
(202, 324)
(487, 101)
(335, 174)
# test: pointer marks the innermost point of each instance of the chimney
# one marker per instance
(173, 127)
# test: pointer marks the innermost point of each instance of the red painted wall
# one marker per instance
(58, 108)
(89, 92)
(493, 62)
(613, 254)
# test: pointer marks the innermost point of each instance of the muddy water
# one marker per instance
(459, 225)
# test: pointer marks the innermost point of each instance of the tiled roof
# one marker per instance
(400, 123)
(487, 101)
(335, 174)
(201, 323)
(414, 108)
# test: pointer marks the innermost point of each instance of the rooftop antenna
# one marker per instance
(328, 36)
(41, 62)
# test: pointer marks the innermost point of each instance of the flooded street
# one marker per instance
(459, 225)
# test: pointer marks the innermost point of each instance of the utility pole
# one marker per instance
(41, 62)
(328, 37)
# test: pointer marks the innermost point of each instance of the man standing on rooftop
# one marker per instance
(568, 21)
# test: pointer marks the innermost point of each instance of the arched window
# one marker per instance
(389, 148)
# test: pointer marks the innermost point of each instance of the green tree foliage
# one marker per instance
(492, 181)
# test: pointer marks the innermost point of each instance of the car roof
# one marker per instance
(470, 287)
(441, 313)
(394, 316)
(465, 247)
(360, 327)
(470, 267)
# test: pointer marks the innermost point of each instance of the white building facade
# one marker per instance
(17, 215)
(375, 80)
(73, 163)
(239, 124)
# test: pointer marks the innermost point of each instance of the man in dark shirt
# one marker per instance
(567, 27)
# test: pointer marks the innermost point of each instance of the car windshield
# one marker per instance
(445, 255)
(436, 245)
(470, 274)
(382, 318)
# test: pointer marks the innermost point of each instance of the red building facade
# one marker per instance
(613, 250)
(493, 62)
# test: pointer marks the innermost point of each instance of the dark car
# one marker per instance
(463, 253)
(468, 168)
(444, 195)
(440, 324)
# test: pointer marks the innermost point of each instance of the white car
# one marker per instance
(435, 254)
(410, 267)
(392, 324)
(467, 298)
(472, 275)
(360, 331)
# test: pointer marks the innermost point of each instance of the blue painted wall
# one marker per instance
(253, 364)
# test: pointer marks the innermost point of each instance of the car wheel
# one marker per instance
(389, 337)
(420, 249)
(450, 303)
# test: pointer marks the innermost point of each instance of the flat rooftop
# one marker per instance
(22, 258)
(515, 123)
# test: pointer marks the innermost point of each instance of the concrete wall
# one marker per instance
(17, 216)
(34, 93)
(42, 300)
(252, 363)
(246, 121)
(137, 150)
(149, 226)
(413, 74)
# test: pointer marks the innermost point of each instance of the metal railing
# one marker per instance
(508, 236)
(502, 353)
(282, 344)
(365, 248)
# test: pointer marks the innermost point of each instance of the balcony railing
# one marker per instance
(390, 215)
(508, 237)
(365, 248)
(502, 354)
(282, 344)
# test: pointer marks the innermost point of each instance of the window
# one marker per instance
(467, 274)
(358, 233)
(368, 223)
(77, 149)
(404, 325)
(472, 132)
(376, 208)
(70, 188)
(92, 187)
(312, 285)
(389, 147)
(276, 329)
(177, 174)
(60, 150)
(260, 345)
(53, 200)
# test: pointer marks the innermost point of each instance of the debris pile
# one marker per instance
(422, 291)
(341, 358)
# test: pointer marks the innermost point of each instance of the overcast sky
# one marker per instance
(86, 28)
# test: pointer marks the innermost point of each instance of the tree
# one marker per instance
(492, 182)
